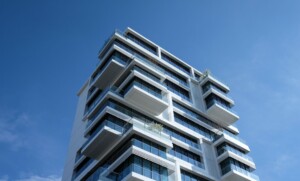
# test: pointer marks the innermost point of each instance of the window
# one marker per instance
(187, 156)
(195, 115)
(141, 166)
(141, 43)
(187, 176)
(177, 90)
(194, 126)
(175, 63)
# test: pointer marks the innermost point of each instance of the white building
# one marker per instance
(144, 114)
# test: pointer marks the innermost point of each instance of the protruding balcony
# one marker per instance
(232, 139)
(104, 136)
(234, 173)
(145, 96)
(225, 150)
(220, 110)
(208, 77)
(109, 71)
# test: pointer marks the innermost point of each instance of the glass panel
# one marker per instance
(147, 168)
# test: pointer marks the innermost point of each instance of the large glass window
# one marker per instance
(187, 156)
(196, 115)
(143, 85)
(214, 99)
(231, 164)
(146, 73)
(109, 121)
(175, 63)
(209, 85)
(187, 176)
(141, 166)
(194, 126)
(142, 43)
(114, 55)
(133, 113)
(177, 90)
(81, 167)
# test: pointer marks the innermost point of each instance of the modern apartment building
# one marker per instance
(144, 114)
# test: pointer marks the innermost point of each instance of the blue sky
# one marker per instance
(49, 48)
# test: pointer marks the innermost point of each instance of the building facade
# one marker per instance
(144, 114)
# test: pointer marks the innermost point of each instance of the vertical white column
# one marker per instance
(159, 52)
(177, 171)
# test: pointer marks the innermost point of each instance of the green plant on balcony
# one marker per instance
(155, 127)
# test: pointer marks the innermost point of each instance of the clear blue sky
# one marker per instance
(49, 48)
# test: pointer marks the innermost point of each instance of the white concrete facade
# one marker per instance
(144, 114)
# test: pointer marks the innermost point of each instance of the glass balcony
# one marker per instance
(147, 74)
(225, 132)
(140, 166)
(141, 43)
(145, 96)
(235, 151)
(220, 110)
(148, 128)
(212, 86)
(109, 124)
(232, 167)
(109, 70)
(187, 156)
(150, 63)
(103, 136)
(98, 99)
(146, 87)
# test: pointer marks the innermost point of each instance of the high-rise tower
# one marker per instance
(144, 114)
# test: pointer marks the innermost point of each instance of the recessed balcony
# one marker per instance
(146, 97)
(234, 173)
(220, 110)
(109, 72)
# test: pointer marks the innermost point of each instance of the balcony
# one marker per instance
(146, 97)
(209, 88)
(150, 131)
(220, 110)
(110, 72)
(234, 173)
(105, 135)
(228, 151)
(208, 77)
(233, 139)
(137, 171)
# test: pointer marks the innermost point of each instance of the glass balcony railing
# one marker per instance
(211, 86)
(137, 169)
(225, 132)
(142, 124)
(196, 115)
(208, 73)
(235, 151)
(147, 74)
(117, 57)
(149, 128)
(145, 87)
(110, 124)
(98, 99)
(150, 63)
(221, 104)
(141, 43)
(231, 167)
